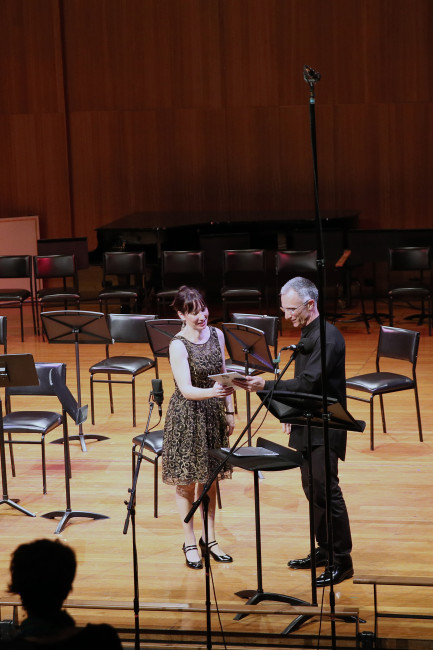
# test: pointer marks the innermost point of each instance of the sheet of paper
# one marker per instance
(226, 378)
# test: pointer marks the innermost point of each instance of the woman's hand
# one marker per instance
(230, 419)
(218, 390)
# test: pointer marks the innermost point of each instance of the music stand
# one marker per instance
(74, 326)
(247, 346)
(78, 414)
(307, 410)
(15, 370)
(160, 333)
(267, 456)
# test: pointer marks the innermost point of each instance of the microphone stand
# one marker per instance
(130, 515)
(204, 498)
(311, 77)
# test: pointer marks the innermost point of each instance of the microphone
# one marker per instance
(311, 75)
(158, 394)
(304, 347)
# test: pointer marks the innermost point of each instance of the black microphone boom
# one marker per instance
(304, 346)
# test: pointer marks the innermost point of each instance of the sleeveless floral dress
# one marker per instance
(192, 427)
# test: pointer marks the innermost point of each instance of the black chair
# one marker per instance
(55, 267)
(32, 422)
(179, 268)
(415, 262)
(393, 343)
(123, 280)
(243, 278)
(290, 264)
(124, 328)
(18, 267)
(160, 331)
(152, 442)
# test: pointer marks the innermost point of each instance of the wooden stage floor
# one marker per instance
(388, 494)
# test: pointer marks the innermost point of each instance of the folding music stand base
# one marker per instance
(81, 437)
(68, 514)
(78, 414)
(13, 503)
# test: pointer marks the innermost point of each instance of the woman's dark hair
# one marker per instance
(42, 573)
(188, 301)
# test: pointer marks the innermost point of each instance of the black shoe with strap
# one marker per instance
(189, 564)
(224, 557)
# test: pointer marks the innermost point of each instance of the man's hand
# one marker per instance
(250, 384)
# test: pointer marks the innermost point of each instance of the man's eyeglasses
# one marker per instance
(292, 310)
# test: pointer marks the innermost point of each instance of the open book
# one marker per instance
(226, 378)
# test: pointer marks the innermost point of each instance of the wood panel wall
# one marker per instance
(109, 107)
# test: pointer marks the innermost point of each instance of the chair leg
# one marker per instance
(418, 413)
(21, 320)
(155, 487)
(110, 392)
(391, 312)
(371, 424)
(32, 302)
(92, 400)
(11, 454)
(382, 412)
(133, 402)
(44, 469)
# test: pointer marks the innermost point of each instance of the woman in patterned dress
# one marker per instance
(199, 417)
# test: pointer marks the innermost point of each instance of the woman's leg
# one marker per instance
(184, 501)
(211, 519)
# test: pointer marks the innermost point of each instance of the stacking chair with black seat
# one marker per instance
(290, 264)
(394, 343)
(56, 267)
(123, 280)
(415, 261)
(33, 424)
(179, 268)
(160, 331)
(18, 267)
(124, 328)
(243, 278)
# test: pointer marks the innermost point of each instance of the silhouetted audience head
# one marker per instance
(42, 573)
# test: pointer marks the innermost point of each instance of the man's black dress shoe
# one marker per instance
(341, 572)
(305, 563)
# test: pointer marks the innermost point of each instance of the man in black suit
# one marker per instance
(299, 299)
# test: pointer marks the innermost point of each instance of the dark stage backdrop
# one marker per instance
(112, 107)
